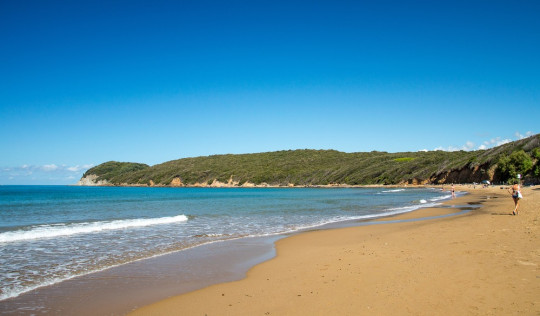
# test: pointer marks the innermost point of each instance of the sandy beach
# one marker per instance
(484, 262)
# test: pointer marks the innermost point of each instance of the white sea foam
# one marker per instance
(439, 198)
(395, 190)
(423, 201)
(20, 289)
(405, 209)
(60, 230)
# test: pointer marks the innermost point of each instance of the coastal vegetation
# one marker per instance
(517, 163)
(330, 167)
(114, 169)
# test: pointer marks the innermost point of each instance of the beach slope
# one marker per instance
(482, 262)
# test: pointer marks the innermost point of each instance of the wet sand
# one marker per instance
(119, 290)
(482, 262)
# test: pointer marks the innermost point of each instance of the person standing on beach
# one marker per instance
(453, 191)
(516, 195)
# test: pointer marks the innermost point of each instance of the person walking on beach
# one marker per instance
(453, 191)
(516, 195)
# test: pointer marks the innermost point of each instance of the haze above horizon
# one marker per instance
(82, 83)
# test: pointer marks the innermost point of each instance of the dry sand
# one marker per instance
(485, 262)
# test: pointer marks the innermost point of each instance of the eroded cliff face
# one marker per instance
(91, 180)
(414, 181)
(176, 182)
(466, 175)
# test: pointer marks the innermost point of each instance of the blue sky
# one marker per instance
(82, 83)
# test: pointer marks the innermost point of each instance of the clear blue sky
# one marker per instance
(84, 82)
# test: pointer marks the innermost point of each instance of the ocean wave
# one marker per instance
(395, 190)
(211, 235)
(442, 197)
(410, 208)
(60, 230)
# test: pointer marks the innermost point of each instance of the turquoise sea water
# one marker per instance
(52, 233)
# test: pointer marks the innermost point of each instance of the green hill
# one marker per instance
(323, 167)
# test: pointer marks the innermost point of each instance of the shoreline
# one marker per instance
(425, 267)
(145, 283)
(159, 275)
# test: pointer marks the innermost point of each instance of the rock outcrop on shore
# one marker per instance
(92, 180)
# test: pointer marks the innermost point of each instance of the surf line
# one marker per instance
(368, 223)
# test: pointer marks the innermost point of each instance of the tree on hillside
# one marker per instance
(518, 162)
(536, 169)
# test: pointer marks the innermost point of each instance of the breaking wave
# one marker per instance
(60, 230)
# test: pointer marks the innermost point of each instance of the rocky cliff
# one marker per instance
(92, 180)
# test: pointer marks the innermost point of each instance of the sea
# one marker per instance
(50, 234)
